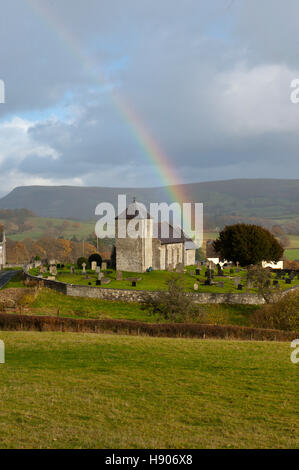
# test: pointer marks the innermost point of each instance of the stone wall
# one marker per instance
(127, 295)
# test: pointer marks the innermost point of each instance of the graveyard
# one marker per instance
(195, 278)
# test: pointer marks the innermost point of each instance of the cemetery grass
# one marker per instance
(75, 390)
(157, 280)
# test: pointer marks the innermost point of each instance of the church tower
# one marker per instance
(134, 254)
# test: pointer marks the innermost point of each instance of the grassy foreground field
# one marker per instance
(70, 390)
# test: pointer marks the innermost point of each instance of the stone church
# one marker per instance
(152, 249)
(2, 249)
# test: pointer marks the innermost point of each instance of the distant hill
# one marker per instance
(248, 198)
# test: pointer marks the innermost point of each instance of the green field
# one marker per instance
(73, 390)
(292, 254)
(41, 227)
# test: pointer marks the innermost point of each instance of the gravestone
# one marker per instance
(179, 268)
(240, 287)
(195, 287)
(98, 269)
(100, 276)
(237, 281)
(98, 282)
(191, 272)
(104, 265)
(197, 272)
(119, 275)
(93, 265)
(37, 264)
(41, 269)
(105, 280)
(51, 278)
(208, 282)
(53, 270)
(83, 268)
(221, 284)
(249, 284)
(170, 267)
(72, 270)
(237, 269)
(133, 283)
(198, 264)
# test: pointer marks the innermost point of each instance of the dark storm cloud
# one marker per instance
(210, 80)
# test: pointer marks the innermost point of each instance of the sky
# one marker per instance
(208, 82)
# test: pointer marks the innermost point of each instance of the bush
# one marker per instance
(82, 260)
(281, 315)
(173, 304)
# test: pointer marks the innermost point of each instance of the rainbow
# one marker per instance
(149, 146)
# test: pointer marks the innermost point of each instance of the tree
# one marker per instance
(95, 257)
(173, 304)
(261, 280)
(248, 244)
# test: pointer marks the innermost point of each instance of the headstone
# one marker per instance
(98, 269)
(237, 269)
(179, 268)
(104, 265)
(98, 282)
(197, 272)
(198, 264)
(100, 276)
(119, 275)
(72, 270)
(208, 282)
(41, 269)
(93, 265)
(237, 281)
(170, 267)
(52, 262)
(240, 287)
(51, 278)
(192, 272)
(249, 284)
(221, 284)
(83, 268)
(195, 287)
(133, 283)
(53, 270)
(37, 263)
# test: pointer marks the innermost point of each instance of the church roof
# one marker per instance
(166, 233)
(134, 210)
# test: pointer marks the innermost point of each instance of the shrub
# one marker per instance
(82, 260)
(281, 315)
(261, 280)
(173, 304)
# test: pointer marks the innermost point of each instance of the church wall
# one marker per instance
(189, 257)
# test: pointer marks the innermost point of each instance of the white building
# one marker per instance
(2, 249)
